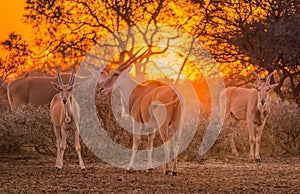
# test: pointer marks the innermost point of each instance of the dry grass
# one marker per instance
(284, 126)
(30, 129)
(4, 105)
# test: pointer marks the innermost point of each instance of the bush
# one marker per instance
(3, 97)
(284, 126)
(28, 127)
(281, 134)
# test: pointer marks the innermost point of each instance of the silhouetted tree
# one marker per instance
(273, 43)
(14, 56)
(69, 28)
(241, 35)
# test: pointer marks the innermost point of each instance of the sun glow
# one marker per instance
(165, 65)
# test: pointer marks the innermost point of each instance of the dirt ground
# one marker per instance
(21, 174)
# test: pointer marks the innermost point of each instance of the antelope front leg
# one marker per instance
(251, 139)
(258, 141)
(78, 149)
(58, 144)
(136, 141)
(135, 146)
(62, 148)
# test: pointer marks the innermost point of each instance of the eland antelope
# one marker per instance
(152, 105)
(32, 90)
(250, 105)
(65, 113)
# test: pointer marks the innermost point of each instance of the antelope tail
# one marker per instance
(10, 98)
(176, 101)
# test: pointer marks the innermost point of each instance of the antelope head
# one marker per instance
(263, 88)
(65, 90)
(111, 78)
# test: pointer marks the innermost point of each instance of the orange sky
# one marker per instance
(11, 12)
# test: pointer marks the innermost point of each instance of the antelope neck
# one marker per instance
(68, 111)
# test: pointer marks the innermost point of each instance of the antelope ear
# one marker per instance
(271, 87)
(254, 86)
(56, 86)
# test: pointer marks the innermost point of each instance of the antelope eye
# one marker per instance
(116, 74)
(59, 89)
(69, 90)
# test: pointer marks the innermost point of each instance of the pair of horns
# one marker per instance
(123, 65)
(267, 80)
(60, 82)
(131, 60)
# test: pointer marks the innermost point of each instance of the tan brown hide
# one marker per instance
(32, 90)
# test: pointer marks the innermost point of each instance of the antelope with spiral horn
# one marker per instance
(65, 113)
(153, 106)
(252, 106)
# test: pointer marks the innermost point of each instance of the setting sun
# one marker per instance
(164, 65)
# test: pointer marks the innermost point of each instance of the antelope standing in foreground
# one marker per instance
(140, 101)
(65, 113)
(250, 105)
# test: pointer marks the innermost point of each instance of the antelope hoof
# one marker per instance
(57, 169)
(174, 173)
(251, 158)
(258, 160)
(84, 173)
(130, 169)
(236, 155)
(167, 172)
(150, 170)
